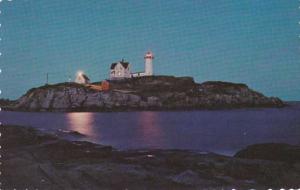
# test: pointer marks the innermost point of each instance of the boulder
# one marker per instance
(271, 151)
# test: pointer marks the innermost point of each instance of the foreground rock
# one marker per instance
(271, 151)
(35, 160)
(145, 93)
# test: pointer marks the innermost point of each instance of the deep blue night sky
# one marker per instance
(252, 41)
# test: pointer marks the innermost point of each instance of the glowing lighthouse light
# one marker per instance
(148, 63)
(81, 78)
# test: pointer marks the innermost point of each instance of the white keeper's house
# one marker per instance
(120, 70)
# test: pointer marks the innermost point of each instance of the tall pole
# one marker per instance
(47, 78)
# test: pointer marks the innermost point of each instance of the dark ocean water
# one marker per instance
(221, 131)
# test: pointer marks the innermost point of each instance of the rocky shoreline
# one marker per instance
(36, 160)
(145, 93)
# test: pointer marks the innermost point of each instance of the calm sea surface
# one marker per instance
(222, 131)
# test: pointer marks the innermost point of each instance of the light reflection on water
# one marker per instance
(81, 122)
(150, 131)
(221, 131)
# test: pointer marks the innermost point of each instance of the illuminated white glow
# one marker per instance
(79, 77)
(80, 73)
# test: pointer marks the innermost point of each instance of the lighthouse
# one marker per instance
(121, 69)
(148, 63)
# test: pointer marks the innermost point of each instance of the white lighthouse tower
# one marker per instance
(148, 63)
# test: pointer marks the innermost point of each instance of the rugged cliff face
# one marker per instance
(147, 93)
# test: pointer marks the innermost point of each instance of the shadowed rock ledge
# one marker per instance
(271, 151)
(35, 160)
(145, 93)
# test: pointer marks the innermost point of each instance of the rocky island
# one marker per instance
(143, 93)
(32, 159)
